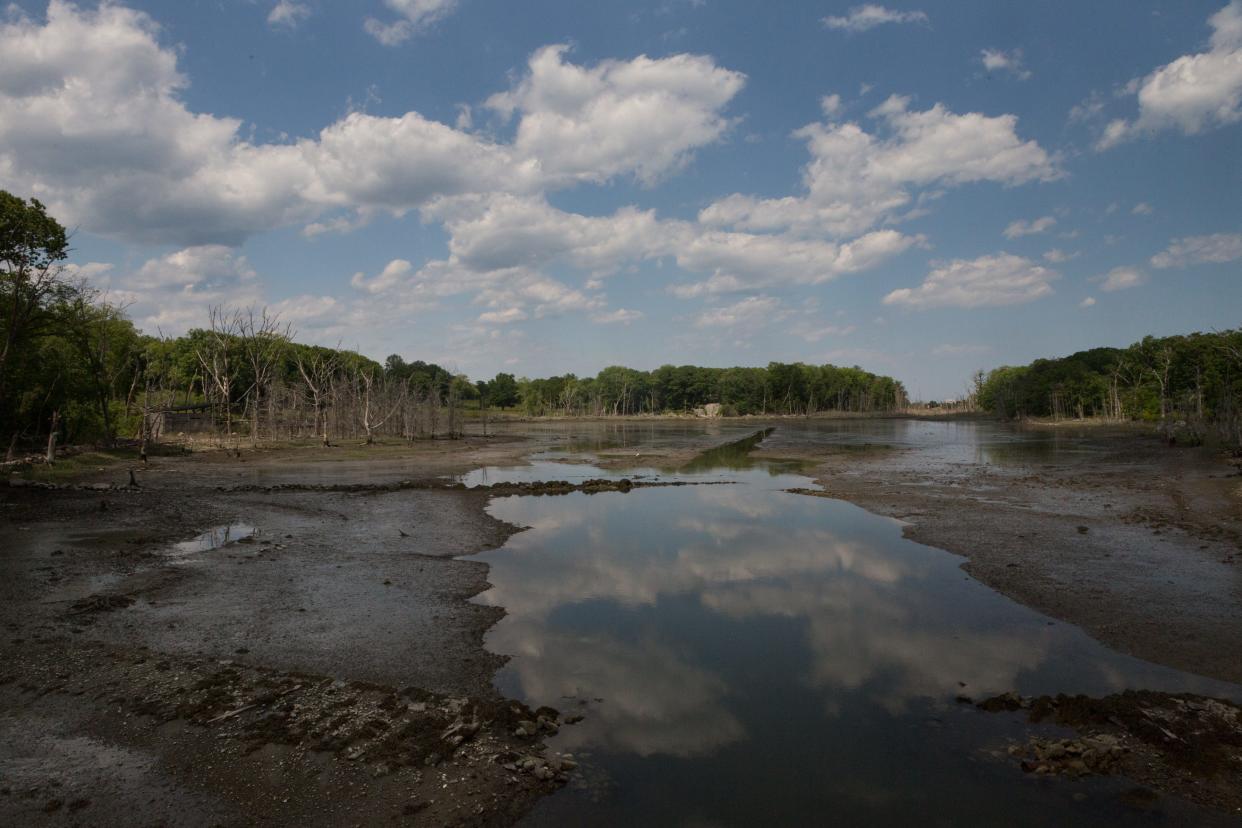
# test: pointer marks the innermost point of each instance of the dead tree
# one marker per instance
(214, 356)
(318, 372)
(375, 397)
(263, 340)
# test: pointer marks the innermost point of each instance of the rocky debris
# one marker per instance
(1178, 743)
(1100, 754)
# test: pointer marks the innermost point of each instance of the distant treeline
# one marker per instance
(1193, 380)
(780, 388)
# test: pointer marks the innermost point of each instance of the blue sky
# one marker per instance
(921, 188)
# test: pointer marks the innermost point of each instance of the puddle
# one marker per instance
(743, 655)
(214, 538)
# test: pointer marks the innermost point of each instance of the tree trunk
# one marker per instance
(51, 438)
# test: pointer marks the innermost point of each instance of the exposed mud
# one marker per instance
(150, 677)
(1184, 745)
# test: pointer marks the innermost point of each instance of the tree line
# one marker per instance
(1191, 383)
(779, 388)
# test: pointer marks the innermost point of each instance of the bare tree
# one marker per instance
(215, 357)
(318, 372)
(376, 397)
(263, 341)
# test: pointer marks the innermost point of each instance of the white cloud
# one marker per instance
(1142, 209)
(92, 123)
(1194, 92)
(645, 116)
(996, 60)
(416, 16)
(1217, 248)
(503, 317)
(620, 315)
(1089, 302)
(988, 281)
(1058, 256)
(855, 179)
(1021, 228)
(750, 313)
(830, 105)
(173, 292)
(288, 13)
(744, 260)
(862, 18)
(1121, 278)
(392, 275)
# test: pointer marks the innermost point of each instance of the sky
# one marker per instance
(922, 189)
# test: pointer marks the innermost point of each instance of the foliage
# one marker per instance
(780, 388)
(1194, 379)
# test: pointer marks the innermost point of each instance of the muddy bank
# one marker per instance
(1139, 544)
(1181, 744)
(272, 676)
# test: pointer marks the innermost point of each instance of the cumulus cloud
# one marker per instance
(1217, 248)
(1089, 302)
(862, 18)
(92, 122)
(996, 60)
(1058, 256)
(1121, 278)
(288, 13)
(622, 316)
(1022, 228)
(644, 116)
(1193, 93)
(172, 292)
(988, 281)
(856, 179)
(750, 313)
(415, 16)
(392, 275)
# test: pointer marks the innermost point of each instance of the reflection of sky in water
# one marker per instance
(767, 657)
(213, 538)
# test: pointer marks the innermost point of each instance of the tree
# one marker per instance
(503, 390)
(33, 247)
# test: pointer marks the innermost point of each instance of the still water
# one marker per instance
(747, 656)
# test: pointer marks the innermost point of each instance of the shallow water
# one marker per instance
(743, 655)
(213, 538)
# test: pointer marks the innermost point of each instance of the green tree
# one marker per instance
(503, 391)
(33, 247)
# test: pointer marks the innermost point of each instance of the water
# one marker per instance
(213, 538)
(743, 655)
